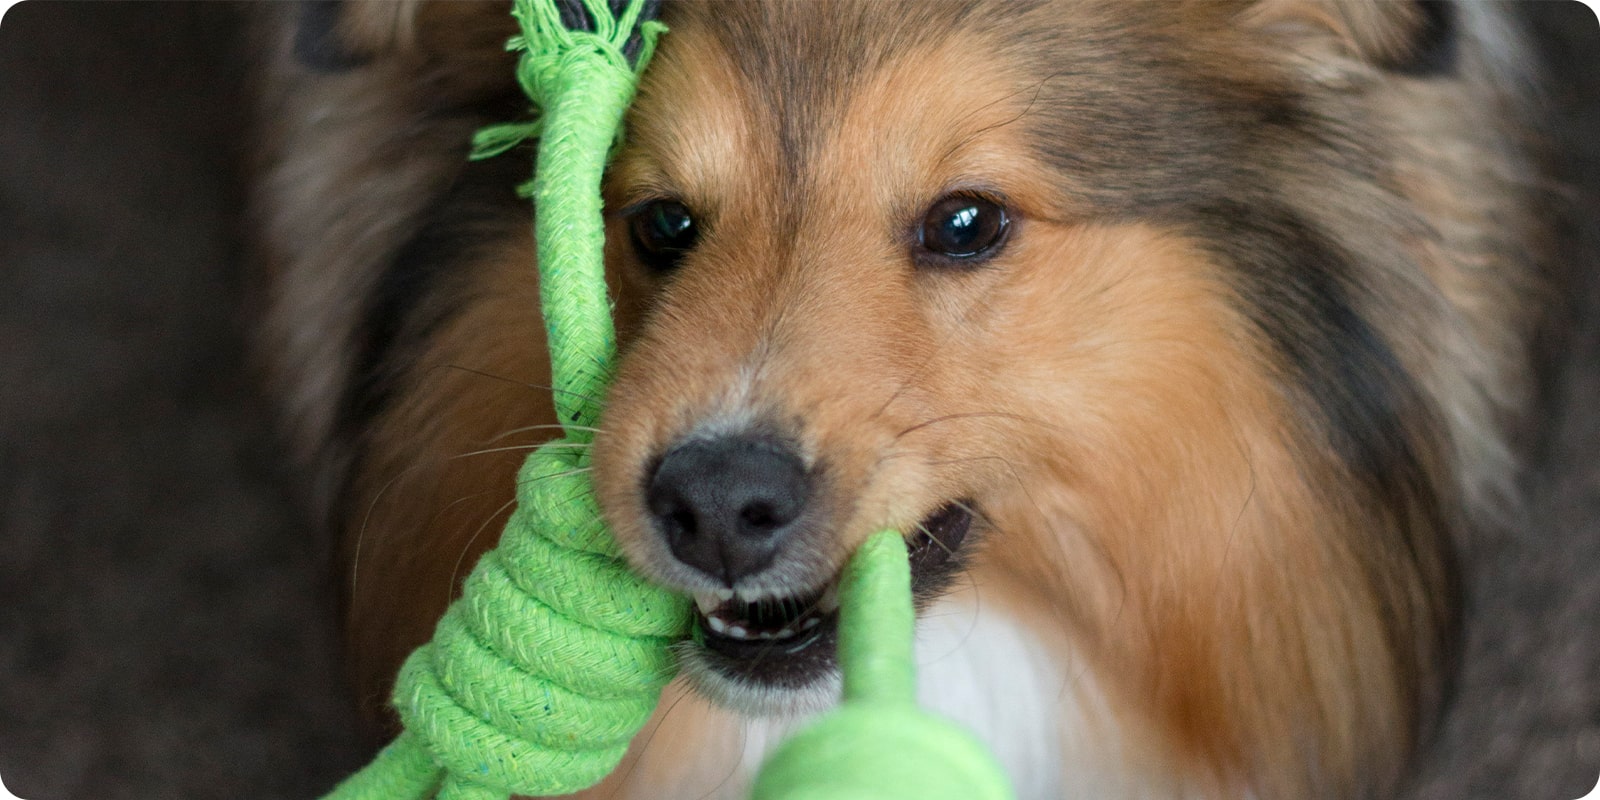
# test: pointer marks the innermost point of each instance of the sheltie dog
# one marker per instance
(1180, 339)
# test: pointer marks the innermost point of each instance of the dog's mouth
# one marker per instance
(790, 642)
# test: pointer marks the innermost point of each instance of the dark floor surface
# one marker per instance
(165, 612)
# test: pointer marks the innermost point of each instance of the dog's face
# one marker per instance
(819, 356)
(869, 291)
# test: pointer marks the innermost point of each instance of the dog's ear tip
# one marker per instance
(1432, 48)
(1415, 37)
(318, 43)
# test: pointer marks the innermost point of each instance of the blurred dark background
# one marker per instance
(166, 609)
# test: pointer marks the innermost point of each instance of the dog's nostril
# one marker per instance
(683, 523)
(725, 506)
(760, 515)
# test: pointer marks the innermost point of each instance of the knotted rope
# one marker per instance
(555, 655)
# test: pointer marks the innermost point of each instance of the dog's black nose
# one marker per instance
(725, 505)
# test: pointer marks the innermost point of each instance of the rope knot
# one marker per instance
(562, 45)
(553, 658)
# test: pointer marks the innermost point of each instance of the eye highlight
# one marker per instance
(663, 232)
(961, 230)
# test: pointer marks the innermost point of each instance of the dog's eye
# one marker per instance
(963, 229)
(663, 231)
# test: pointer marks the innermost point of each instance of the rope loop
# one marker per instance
(555, 655)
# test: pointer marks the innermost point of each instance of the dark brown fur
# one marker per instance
(1227, 401)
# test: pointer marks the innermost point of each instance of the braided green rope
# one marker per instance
(582, 83)
(555, 655)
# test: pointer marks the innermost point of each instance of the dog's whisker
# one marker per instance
(1037, 90)
(366, 520)
(507, 449)
(466, 547)
(934, 539)
(646, 738)
(562, 474)
(733, 766)
(963, 415)
(906, 383)
(977, 513)
(542, 387)
(541, 427)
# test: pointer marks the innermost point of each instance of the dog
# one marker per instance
(1183, 342)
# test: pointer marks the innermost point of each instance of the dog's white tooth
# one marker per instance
(724, 595)
(784, 633)
(760, 594)
(738, 632)
(717, 625)
(809, 622)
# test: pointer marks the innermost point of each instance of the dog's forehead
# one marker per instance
(1118, 106)
(748, 102)
(801, 65)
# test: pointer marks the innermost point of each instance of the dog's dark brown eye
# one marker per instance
(963, 229)
(663, 232)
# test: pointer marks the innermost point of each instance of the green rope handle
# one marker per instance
(555, 655)
(879, 745)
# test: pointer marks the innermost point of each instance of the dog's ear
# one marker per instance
(455, 47)
(337, 35)
(1414, 37)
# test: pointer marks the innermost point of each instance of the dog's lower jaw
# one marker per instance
(755, 699)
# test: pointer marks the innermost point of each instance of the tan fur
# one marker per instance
(1153, 490)
(1213, 603)
(1460, 160)
(1367, 32)
(1216, 577)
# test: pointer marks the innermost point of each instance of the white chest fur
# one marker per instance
(978, 664)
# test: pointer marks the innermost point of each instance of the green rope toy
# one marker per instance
(555, 655)
(879, 745)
